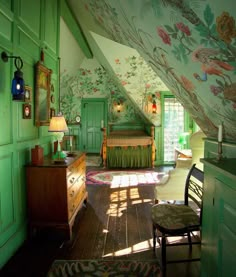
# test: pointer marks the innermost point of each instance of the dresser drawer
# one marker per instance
(78, 162)
(72, 190)
(74, 173)
(73, 202)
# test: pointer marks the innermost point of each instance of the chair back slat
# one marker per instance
(194, 186)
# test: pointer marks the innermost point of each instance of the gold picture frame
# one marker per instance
(52, 112)
(28, 94)
(26, 111)
(42, 94)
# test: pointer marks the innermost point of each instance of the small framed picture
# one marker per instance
(28, 94)
(52, 112)
(26, 111)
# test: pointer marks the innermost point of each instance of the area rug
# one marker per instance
(126, 178)
(104, 268)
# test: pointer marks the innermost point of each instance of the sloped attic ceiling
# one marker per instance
(191, 45)
(121, 61)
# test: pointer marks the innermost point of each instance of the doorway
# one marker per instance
(93, 116)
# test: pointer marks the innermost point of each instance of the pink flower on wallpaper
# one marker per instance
(183, 28)
(187, 84)
(158, 95)
(215, 90)
(147, 85)
(164, 36)
(124, 83)
(117, 61)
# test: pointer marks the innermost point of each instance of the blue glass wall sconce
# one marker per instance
(17, 86)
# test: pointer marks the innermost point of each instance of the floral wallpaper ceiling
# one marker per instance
(191, 45)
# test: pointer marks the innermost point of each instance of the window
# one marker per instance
(173, 126)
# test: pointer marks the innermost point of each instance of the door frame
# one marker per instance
(188, 124)
(92, 100)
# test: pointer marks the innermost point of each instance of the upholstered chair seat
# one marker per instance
(175, 217)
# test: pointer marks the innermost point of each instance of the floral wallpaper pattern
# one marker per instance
(141, 84)
(95, 83)
(191, 45)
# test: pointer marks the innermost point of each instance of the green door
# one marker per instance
(93, 118)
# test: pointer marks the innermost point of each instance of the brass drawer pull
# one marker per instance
(72, 180)
(72, 208)
(72, 193)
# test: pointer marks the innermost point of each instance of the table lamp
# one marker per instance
(59, 126)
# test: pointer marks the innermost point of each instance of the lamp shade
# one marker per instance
(58, 124)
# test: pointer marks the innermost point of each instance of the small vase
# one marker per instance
(37, 155)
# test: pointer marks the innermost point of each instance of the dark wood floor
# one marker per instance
(116, 224)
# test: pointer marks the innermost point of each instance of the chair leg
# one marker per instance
(190, 241)
(154, 236)
(163, 254)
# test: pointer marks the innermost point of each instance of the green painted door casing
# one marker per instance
(93, 117)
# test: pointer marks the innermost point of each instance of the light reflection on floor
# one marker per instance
(133, 179)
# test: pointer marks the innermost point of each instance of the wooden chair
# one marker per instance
(179, 219)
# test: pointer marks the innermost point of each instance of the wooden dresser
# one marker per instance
(56, 192)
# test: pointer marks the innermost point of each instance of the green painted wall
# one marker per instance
(26, 27)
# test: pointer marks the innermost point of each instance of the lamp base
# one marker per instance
(59, 157)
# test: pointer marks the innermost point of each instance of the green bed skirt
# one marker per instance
(129, 157)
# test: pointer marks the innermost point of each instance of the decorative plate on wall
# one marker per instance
(77, 119)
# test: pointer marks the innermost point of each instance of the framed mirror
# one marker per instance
(42, 94)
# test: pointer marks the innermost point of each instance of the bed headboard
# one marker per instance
(129, 126)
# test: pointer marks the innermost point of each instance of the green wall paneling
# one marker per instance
(218, 219)
(23, 157)
(25, 129)
(51, 27)
(29, 16)
(5, 103)
(6, 3)
(27, 44)
(7, 197)
(6, 20)
(211, 149)
(23, 32)
(12, 245)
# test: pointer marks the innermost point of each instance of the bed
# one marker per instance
(128, 146)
